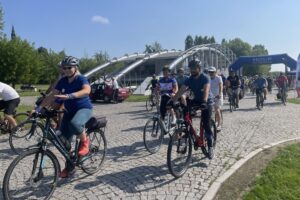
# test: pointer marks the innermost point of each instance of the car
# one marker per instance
(104, 91)
(28, 87)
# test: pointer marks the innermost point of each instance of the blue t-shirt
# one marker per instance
(166, 85)
(73, 105)
(197, 87)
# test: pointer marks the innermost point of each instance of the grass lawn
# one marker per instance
(281, 178)
(24, 108)
(137, 98)
(29, 92)
(295, 100)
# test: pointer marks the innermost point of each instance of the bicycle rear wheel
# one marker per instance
(20, 117)
(31, 176)
(179, 152)
(92, 163)
(153, 135)
(26, 136)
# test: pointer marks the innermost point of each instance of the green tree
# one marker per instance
(19, 62)
(250, 70)
(239, 47)
(154, 47)
(50, 60)
(189, 42)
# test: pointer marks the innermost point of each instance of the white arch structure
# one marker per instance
(205, 47)
(114, 60)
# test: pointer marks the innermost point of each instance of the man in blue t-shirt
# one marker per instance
(167, 86)
(199, 84)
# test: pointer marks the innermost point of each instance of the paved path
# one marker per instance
(131, 172)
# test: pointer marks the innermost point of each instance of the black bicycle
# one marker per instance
(232, 99)
(259, 98)
(34, 173)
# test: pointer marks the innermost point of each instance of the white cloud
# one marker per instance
(100, 19)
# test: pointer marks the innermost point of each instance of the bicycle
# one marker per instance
(30, 131)
(152, 101)
(183, 140)
(5, 127)
(259, 98)
(155, 129)
(232, 100)
(283, 95)
(39, 167)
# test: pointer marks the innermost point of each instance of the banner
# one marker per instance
(297, 70)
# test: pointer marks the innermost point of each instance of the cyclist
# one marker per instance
(233, 85)
(10, 101)
(216, 88)
(168, 87)
(270, 84)
(181, 77)
(282, 83)
(260, 84)
(199, 83)
(74, 90)
(153, 83)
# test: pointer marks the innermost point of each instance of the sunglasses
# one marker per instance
(65, 68)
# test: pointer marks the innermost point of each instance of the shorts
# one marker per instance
(9, 106)
(218, 103)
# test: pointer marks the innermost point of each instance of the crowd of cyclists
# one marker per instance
(203, 87)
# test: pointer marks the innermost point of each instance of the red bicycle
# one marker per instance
(184, 139)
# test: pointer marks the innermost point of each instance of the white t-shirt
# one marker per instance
(115, 85)
(214, 85)
(7, 92)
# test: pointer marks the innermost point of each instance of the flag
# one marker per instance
(297, 70)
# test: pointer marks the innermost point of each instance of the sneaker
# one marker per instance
(237, 106)
(84, 147)
(210, 153)
(219, 128)
(265, 98)
(65, 173)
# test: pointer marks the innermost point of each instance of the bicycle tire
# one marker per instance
(181, 142)
(24, 130)
(204, 148)
(154, 125)
(97, 139)
(25, 155)
(20, 117)
(230, 104)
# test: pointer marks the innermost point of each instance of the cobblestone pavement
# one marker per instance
(130, 172)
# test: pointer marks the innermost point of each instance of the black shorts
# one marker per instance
(9, 106)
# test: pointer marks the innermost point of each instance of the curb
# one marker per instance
(213, 189)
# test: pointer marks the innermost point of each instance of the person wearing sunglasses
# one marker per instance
(74, 90)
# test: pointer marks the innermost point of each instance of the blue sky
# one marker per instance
(82, 28)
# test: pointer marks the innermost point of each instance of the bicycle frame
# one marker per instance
(199, 139)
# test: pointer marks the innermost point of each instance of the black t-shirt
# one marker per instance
(234, 81)
(154, 83)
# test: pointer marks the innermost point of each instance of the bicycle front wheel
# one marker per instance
(92, 163)
(179, 152)
(153, 135)
(26, 136)
(32, 175)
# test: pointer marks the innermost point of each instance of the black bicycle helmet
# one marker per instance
(70, 61)
(194, 64)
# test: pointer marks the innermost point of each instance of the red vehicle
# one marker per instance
(103, 91)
